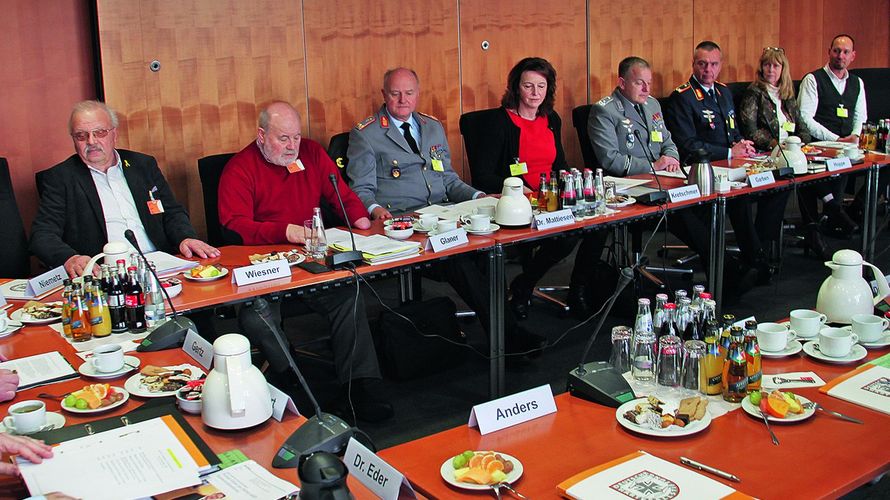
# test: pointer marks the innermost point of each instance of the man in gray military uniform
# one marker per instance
(618, 123)
(399, 159)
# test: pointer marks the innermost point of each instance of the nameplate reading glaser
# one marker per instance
(444, 241)
(684, 193)
(198, 348)
(514, 409)
(559, 218)
(374, 473)
(262, 272)
(761, 179)
(47, 281)
(835, 164)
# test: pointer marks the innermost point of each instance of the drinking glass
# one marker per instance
(693, 359)
(316, 244)
(670, 356)
(643, 356)
(620, 357)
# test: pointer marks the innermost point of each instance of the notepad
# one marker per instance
(40, 369)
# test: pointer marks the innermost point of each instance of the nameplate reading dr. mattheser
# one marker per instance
(559, 218)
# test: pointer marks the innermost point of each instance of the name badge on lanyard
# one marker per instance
(842, 112)
(518, 168)
(155, 207)
(655, 136)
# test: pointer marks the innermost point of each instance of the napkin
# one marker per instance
(769, 381)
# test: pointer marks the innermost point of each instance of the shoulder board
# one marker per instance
(428, 116)
(699, 95)
(683, 88)
(719, 83)
(364, 123)
(604, 101)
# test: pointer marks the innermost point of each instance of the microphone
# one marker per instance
(786, 172)
(339, 260)
(652, 197)
(171, 333)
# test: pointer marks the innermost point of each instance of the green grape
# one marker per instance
(81, 404)
(755, 398)
(70, 400)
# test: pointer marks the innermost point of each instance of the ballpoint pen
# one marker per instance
(707, 468)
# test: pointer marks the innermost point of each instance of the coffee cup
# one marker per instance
(108, 358)
(868, 327)
(4, 320)
(807, 323)
(480, 222)
(429, 222)
(26, 417)
(446, 225)
(488, 210)
(773, 337)
(836, 342)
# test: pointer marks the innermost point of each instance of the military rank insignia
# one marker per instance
(395, 171)
(629, 137)
(364, 123)
(709, 115)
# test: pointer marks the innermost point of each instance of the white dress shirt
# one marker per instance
(809, 101)
(118, 205)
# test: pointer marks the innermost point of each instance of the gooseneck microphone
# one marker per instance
(350, 258)
(172, 332)
(659, 197)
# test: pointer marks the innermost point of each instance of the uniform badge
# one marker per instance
(709, 115)
(699, 95)
(656, 117)
(629, 137)
(384, 121)
(437, 151)
(395, 171)
(364, 123)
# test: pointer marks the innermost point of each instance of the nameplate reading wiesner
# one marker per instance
(514, 409)
(262, 272)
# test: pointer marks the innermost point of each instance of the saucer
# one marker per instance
(10, 330)
(53, 421)
(492, 228)
(857, 352)
(884, 341)
(791, 349)
(88, 370)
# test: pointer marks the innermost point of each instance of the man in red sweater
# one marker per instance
(266, 192)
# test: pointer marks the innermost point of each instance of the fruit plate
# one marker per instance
(275, 256)
(222, 273)
(100, 409)
(137, 388)
(447, 473)
(671, 431)
(754, 410)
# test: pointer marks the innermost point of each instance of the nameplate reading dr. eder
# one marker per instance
(558, 218)
(684, 193)
(835, 164)
(444, 241)
(262, 272)
(378, 476)
(761, 179)
(514, 409)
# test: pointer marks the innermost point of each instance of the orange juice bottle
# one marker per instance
(100, 315)
(80, 318)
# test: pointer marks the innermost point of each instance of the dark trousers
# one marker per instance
(468, 275)
(808, 197)
(752, 231)
(354, 355)
(538, 257)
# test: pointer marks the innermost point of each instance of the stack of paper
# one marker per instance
(168, 265)
(458, 210)
(40, 369)
(375, 249)
(868, 386)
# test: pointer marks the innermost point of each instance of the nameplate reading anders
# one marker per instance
(261, 272)
(558, 218)
(835, 164)
(684, 193)
(514, 409)
(444, 241)
(374, 473)
(761, 179)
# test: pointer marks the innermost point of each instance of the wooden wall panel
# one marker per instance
(742, 29)
(351, 43)
(621, 30)
(518, 29)
(220, 61)
(47, 67)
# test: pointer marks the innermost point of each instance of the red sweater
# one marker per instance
(258, 199)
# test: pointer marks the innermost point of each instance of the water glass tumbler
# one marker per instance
(620, 357)
(643, 357)
(670, 357)
(693, 362)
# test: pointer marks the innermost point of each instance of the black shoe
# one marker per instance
(815, 243)
(520, 298)
(368, 402)
(839, 220)
(578, 303)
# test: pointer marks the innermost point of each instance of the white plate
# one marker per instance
(10, 330)
(672, 431)
(20, 316)
(791, 349)
(754, 411)
(626, 203)
(134, 383)
(447, 473)
(884, 341)
(300, 258)
(857, 352)
(54, 420)
(222, 274)
(101, 408)
(88, 370)
(492, 228)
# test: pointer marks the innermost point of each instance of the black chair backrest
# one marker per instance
(40, 180)
(579, 121)
(877, 91)
(337, 148)
(14, 261)
(470, 126)
(738, 90)
(210, 170)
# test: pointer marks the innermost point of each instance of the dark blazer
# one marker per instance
(760, 124)
(70, 220)
(493, 144)
(698, 121)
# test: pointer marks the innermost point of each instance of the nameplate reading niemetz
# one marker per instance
(761, 179)
(198, 348)
(514, 409)
(262, 272)
(835, 164)
(684, 193)
(47, 281)
(374, 473)
(558, 218)
(450, 239)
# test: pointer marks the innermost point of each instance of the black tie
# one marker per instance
(642, 115)
(711, 94)
(406, 130)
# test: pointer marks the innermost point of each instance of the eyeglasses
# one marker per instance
(776, 49)
(99, 133)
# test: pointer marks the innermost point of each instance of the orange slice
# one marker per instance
(487, 459)
(476, 461)
(494, 465)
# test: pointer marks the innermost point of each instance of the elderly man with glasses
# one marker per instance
(100, 192)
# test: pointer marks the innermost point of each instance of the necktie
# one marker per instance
(406, 131)
(642, 115)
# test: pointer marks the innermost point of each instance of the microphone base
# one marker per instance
(323, 432)
(167, 336)
(652, 198)
(784, 173)
(339, 260)
(601, 384)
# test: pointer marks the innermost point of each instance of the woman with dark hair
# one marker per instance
(522, 138)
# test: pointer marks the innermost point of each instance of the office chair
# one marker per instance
(14, 257)
(210, 170)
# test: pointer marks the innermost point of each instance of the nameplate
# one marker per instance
(198, 348)
(374, 473)
(835, 164)
(281, 402)
(761, 179)
(47, 281)
(444, 241)
(559, 218)
(262, 272)
(512, 410)
(684, 193)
